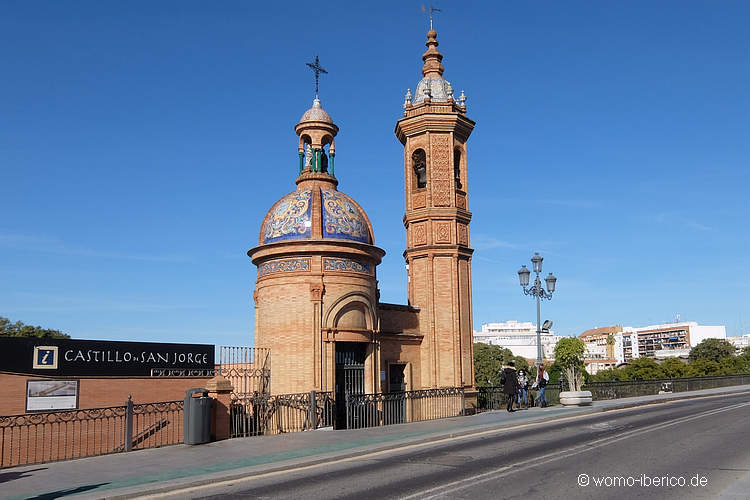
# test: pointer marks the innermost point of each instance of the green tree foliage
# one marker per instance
(488, 361)
(712, 349)
(703, 368)
(673, 368)
(642, 369)
(745, 353)
(18, 329)
(608, 375)
(569, 357)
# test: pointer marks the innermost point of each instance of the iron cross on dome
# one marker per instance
(317, 69)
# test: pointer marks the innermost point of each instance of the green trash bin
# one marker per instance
(196, 424)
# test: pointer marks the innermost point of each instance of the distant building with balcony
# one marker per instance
(667, 340)
(675, 339)
(604, 348)
(519, 337)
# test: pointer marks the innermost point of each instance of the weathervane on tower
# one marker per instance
(317, 69)
(432, 10)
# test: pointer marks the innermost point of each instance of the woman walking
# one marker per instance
(509, 380)
(523, 389)
(542, 378)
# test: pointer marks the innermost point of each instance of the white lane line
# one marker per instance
(399, 449)
(445, 489)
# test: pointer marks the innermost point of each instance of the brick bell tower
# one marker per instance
(434, 131)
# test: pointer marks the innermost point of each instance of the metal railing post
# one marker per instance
(313, 410)
(129, 424)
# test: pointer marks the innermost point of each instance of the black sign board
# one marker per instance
(99, 358)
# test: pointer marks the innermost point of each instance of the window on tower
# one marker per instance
(457, 167)
(419, 165)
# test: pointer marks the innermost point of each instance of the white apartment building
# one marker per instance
(740, 342)
(519, 337)
(655, 341)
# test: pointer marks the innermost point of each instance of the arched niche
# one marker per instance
(352, 311)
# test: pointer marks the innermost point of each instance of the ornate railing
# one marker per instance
(247, 368)
(632, 388)
(373, 410)
(260, 414)
(61, 435)
(493, 397)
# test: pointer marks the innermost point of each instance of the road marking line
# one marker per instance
(229, 482)
(557, 455)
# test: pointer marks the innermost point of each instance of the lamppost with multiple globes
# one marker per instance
(537, 290)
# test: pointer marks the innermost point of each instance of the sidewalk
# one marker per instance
(136, 473)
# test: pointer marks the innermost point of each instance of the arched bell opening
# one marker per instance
(457, 168)
(419, 169)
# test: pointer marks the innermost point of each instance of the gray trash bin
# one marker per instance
(196, 425)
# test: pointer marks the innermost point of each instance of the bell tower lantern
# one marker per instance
(434, 130)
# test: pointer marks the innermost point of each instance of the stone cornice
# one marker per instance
(328, 247)
(459, 124)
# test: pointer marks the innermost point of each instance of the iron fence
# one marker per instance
(34, 438)
(373, 410)
(247, 368)
(262, 414)
(493, 397)
(632, 388)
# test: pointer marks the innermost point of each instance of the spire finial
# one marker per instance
(432, 11)
(317, 69)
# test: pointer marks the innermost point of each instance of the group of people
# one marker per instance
(516, 385)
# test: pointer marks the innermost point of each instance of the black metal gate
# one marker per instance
(350, 375)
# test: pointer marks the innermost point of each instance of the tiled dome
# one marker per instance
(316, 114)
(292, 217)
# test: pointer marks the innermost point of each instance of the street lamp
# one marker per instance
(537, 290)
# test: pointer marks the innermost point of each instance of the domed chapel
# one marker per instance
(316, 296)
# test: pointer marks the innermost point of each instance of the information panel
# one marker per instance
(100, 358)
(51, 395)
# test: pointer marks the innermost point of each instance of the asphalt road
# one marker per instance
(698, 448)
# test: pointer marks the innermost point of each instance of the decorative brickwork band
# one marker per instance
(461, 201)
(419, 234)
(334, 264)
(463, 235)
(443, 232)
(281, 266)
(442, 171)
(419, 200)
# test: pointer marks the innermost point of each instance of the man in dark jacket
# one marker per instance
(510, 383)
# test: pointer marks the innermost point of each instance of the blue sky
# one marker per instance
(141, 144)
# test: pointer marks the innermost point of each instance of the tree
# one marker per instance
(745, 352)
(569, 355)
(608, 375)
(642, 369)
(703, 368)
(18, 329)
(712, 349)
(488, 361)
(673, 368)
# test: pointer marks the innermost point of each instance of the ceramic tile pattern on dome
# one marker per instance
(290, 218)
(342, 218)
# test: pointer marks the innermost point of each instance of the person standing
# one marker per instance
(523, 388)
(509, 380)
(542, 378)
